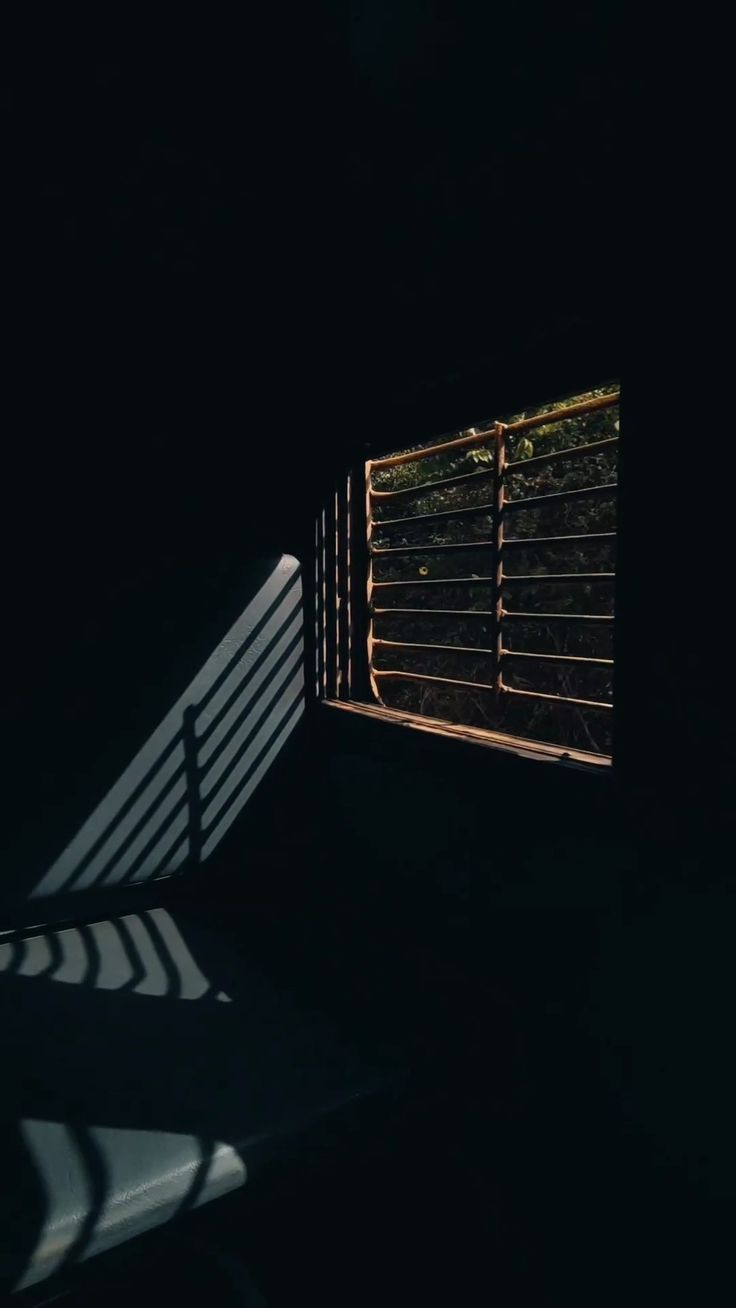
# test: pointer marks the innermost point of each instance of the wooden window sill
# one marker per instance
(522, 748)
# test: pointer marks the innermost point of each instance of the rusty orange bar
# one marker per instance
(434, 613)
(499, 495)
(556, 699)
(474, 437)
(571, 451)
(433, 549)
(349, 580)
(338, 602)
(442, 649)
(502, 653)
(445, 681)
(472, 511)
(561, 497)
(426, 487)
(511, 615)
(369, 579)
(533, 542)
(532, 578)
(571, 411)
(436, 581)
(555, 658)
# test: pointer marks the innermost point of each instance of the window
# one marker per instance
(482, 577)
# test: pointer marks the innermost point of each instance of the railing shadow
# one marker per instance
(178, 797)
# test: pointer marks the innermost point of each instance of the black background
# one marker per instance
(238, 257)
(238, 260)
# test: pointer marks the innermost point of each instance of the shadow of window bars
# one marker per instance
(213, 749)
(145, 953)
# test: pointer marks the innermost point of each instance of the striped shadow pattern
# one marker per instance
(186, 786)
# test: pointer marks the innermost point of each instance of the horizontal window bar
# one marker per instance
(508, 615)
(553, 577)
(511, 615)
(483, 437)
(438, 513)
(556, 699)
(520, 542)
(437, 613)
(532, 542)
(434, 549)
(460, 443)
(554, 658)
(442, 649)
(426, 486)
(558, 497)
(507, 690)
(425, 676)
(571, 451)
(559, 415)
(440, 581)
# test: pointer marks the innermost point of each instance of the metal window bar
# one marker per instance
(531, 502)
(490, 435)
(529, 543)
(554, 456)
(562, 497)
(323, 578)
(497, 509)
(426, 487)
(474, 511)
(506, 579)
(339, 610)
(507, 690)
(506, 614)
(332, 644)
(317, 610)
(507, 653)
(340, 617)
(342, 590)
(347, 577)
(464, 478)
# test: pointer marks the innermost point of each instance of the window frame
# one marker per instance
(345, 677)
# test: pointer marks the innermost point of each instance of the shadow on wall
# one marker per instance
(185, 787)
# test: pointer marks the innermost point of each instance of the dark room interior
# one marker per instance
(453, 1009)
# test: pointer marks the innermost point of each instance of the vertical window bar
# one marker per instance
(342, 518)
(348, 578)
(369, 588)
(498, 526)
(324, 602)
(317, 608)
(331, 615)
(357, 577)
(338, 602)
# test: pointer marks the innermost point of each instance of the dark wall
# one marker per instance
(144, 471)
(225, 289)
(597, 908)
(234, 273)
